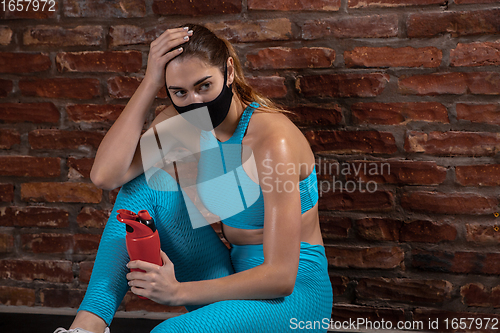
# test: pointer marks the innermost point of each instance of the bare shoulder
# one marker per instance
(274, 136)
(275, 129)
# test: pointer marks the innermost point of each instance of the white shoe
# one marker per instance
(76, 330)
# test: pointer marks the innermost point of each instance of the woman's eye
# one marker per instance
(179, 93)
(205, 86)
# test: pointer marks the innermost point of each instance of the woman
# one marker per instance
(274, 278)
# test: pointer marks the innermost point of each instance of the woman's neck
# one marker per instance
(226, 129)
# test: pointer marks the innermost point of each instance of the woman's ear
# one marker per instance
(230, 70)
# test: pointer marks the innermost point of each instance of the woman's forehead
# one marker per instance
(184, 71)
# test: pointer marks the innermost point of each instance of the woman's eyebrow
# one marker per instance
(195, 84)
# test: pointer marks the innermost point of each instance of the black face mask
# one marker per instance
(216, 109)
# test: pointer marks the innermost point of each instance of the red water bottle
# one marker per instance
(143, 241)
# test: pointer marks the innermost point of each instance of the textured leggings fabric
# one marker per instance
(198, 254)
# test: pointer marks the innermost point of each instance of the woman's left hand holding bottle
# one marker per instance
(158, 283)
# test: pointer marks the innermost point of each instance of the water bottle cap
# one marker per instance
(144, 215)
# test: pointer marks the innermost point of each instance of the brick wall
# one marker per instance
(399, 100)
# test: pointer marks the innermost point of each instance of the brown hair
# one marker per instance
(205, 45)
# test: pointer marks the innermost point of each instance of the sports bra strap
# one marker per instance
(245, 119)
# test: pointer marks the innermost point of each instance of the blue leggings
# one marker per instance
(199, 254)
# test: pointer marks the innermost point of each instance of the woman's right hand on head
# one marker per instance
(159, 55)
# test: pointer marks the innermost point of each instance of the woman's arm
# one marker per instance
(282, 227)
(118, 157)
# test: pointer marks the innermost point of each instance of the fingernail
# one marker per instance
(190, 31)
(185, 28)
(179, 49)
(186, 37)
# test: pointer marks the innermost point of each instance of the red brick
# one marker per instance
(378, 201)
(17, 296)
(5, 35)
(60, 192)
(61, 88)
(323, 114)
(29, 112)
(392, 3)
(326, 168)
(59, 298)
(47, 243)
(427, 232)
(352, 142)
(398, 113)
(464, 23)
(30, 166)
(86, 271)
(339, 284)
(462, 2)
(35, 216)
(475, 294)
(59, 139)
(7, 216)
(333, 227)
(476, 83)
(445, 320)
(350, 312)
(134, 303)
(9, 138)
(90, 217)
(453, 143)
(404, 290)
(28, 270)
(196, 7)
(6, 242)
(365, 258)
(6, 192)
(106, 9)
(17, 62)
(86, 243)
(124, 87)
(44, 35)
(379, 229)
(449, 203)
(396, 172)
(124, 34)
(94, 112)
(482, 233)
(342, 85)
(5, 87)
(286, 58)
(456, 262)
(99, 61)
(374, 26)
(253, 31)
(479, 113)
(270, 86)
(478, 175)
(427, 57)
(475, 54)
(60, 243)
(291, 5)
(79, 167)
(31, 11)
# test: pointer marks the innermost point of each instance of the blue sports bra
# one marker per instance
(225, 188)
